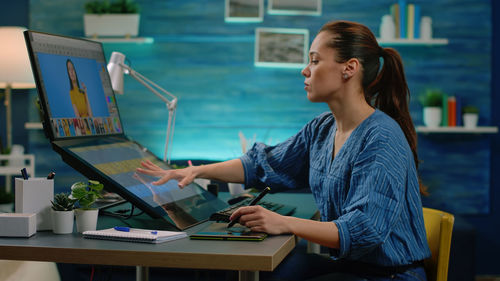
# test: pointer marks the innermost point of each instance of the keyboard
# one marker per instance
(223, 215)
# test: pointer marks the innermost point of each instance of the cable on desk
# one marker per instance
(119, 213)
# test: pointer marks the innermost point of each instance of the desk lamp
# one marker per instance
(15, 69)
(116, 69)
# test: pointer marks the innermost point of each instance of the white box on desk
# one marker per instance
(33, 196)
(17, 225)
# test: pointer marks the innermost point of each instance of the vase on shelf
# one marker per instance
(387, 28)
(470, 120)
(432, 116)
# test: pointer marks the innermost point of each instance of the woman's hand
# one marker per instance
(183, 176)
(260, 219)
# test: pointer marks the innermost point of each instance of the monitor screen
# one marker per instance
(118, 161)
(74, 87)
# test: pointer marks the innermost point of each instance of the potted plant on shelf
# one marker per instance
(470, 116)
(62, 213)
(432, 101)
(85, 194)
(6, 201)
(119, 18)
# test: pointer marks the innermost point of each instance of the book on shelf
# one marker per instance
(395, 15)
(444, 106)
(452, 111)
(134, 235)
(416, 32)
(402, 18)
(458, 110)
(410, 11)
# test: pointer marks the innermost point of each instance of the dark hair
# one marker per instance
(385, 89)
(76, 76)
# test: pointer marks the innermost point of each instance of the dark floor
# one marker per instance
(78, 272)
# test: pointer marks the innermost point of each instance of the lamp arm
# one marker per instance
(171, 105)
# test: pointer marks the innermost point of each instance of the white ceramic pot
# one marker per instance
(86, 219)
(470, 120)
(62, 221)
(118, 25)
(432, 116)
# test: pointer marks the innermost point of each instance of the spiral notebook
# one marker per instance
(135, 235)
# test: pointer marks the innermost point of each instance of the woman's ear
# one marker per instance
(351, 67)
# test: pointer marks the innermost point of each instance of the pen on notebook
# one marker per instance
(51, 175)
(127, 229)
(253, 202)
(24, 173)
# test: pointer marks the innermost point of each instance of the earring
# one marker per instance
(345, 76)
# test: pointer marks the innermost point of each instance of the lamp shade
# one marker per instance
(15, 68)
(116, 71)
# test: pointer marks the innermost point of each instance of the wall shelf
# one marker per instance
(137, 40)
(412, 42)
(458, 130)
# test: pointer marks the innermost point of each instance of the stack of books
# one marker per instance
(406, 19)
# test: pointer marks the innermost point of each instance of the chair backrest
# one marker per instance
(438, 226)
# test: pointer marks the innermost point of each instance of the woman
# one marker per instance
(359, 160)
(79, 97)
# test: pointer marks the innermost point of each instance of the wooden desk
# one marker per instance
(247, 257)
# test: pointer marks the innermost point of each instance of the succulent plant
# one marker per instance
(62, 202)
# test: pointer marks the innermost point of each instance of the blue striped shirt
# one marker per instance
(369, 190)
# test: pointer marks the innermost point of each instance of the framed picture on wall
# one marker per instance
(244, 11)
(281, 47)
(294, 7)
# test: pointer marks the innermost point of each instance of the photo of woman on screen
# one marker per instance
(78, 95)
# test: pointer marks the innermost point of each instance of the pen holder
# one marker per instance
(33, 196)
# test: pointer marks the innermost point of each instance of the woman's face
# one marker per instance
(323, 75)
(71, 71)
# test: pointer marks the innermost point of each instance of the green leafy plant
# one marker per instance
(470, 109)
(86, 193)
(6, 197)
(432, 98)
(62, 202)
(115, 7)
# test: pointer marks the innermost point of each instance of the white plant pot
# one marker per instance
(432, 116)
(470, 120)
(62, 221)
(86, 219)
(111, 25)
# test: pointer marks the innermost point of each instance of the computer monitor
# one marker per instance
(82, 121)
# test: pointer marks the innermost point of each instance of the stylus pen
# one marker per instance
(253, 202)
(24, 173)
(127, 229)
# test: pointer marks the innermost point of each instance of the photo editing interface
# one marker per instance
(76, 86)
(119, 160)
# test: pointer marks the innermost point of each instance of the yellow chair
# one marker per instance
(438, 226)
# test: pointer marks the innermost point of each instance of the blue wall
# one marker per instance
(209, 65)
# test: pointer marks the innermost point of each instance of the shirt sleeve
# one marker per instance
(373, 201)
(285, 165)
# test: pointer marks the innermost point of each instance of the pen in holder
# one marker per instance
(33, 195)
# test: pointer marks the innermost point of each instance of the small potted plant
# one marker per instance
(432, 101)
(62, 213)
(119, 18)
(470, 116)
(85, 194)
(6, 201)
